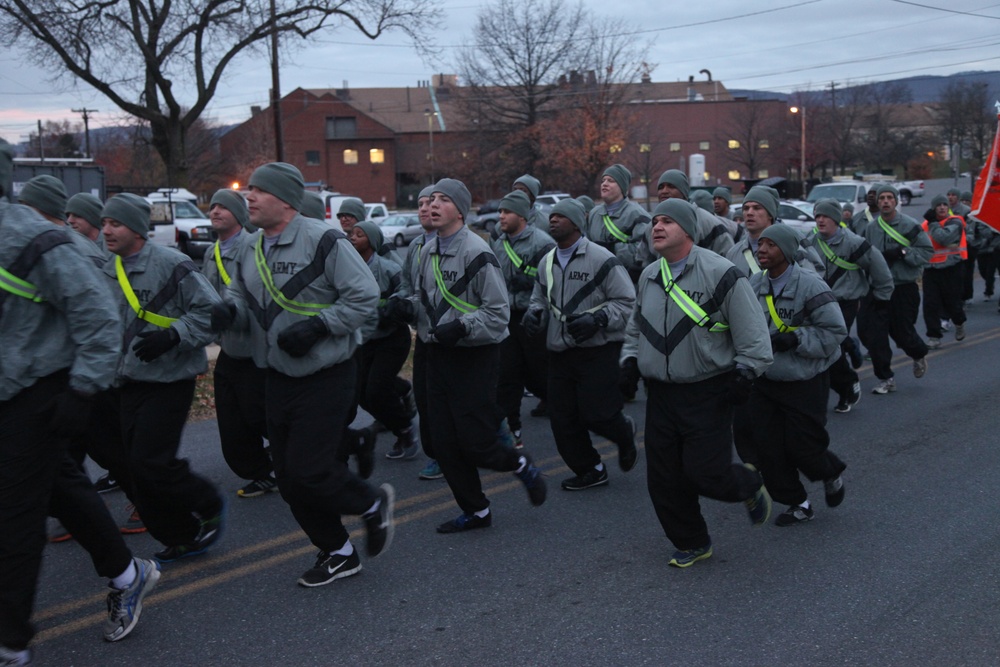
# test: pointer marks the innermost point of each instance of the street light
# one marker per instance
(802, 145)
(430, 138)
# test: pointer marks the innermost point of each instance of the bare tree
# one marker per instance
(750, 134)
(59, 139)
(149, 58)
(844, 118)
(884, 141)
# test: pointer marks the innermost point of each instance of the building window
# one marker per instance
(350, 156)
(762, 173)
(734, 175)
(675, 146)
(341, 127)
(312, 158)
(763, 143)
(734, 144)
(704, 146)
(376, 155)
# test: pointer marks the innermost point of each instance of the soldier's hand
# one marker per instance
(532, 322)
(783, 342)
(892, 254)
(522, 282)
(223, 314)
(70, 414)
(154, 344)
(297, 339)
(628, 379)
(397, 310)
(450, 333)
(740, 386)
(584, 327)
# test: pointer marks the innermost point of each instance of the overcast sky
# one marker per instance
(779, 45)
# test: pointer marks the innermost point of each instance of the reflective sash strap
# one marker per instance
(558, 314)
(22, 288)
(832, 256)
(892, 233)
(519, 263)
(782, 327)
(751, 262)
(307, 309)
(686, 303)
(868, 214)
(223, 274)
(461, 306)
(156, 320)
(843, 224)
(612, 228)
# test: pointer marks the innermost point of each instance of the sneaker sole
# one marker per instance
(390, 528)
(675, 563)
(124, 530)
(255, 494)
(430, 478)
(189, 554)
(151, 581)
(603, 482)
(340, 574)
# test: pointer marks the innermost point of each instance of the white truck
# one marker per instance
(193, 234)
(855, 192)
(333, 200)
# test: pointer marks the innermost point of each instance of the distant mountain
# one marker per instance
(924, 88)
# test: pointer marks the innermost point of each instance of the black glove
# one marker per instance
(892, 254)
(70, 414)
(154, 344)
(783, 342)
(450, 333)
(532, 322)
(297, 339)
(223, 314)
(522, 282)
(740, 385)
(628, 379)
(397, 310)
(584, 327)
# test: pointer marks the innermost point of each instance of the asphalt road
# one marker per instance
(903, 573)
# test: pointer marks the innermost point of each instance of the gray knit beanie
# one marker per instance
(47, 194)
(530, 182)
(6, 170)
(622, 176)
(282, 180)
(457, 192)
(702, 199)
(955, 191)
(572, 209)
(938, 200)
(679, 211)
(763, 196)
(830, 208)
(313, 206)
(785, 238)
(426, 192)
(965, 196)
(723, 193)
(676, 178)
(588, 203)
(130, 210)
(353, 206)
(87, 206)
(233, 202)
(516, 202)
(375, 237)
(885, 187)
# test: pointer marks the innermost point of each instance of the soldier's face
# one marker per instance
(952, 200)
(266, 210)
(119, 239)
(720, 205)
(81, 225)
(886, 203)
(424, 212)
(667, 234)
(755, 217)
(769, 255)
(223, 221)
(560, 227)
(610, 190)
(826, 225)
(667, 191)
(510, 222)
(942, 211)
(445, 217)
(359, 240)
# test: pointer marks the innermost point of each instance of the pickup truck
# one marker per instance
(855, 193)
(193, 233)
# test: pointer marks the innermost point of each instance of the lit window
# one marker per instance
(734, 175)
(704, 146)
(762, 173)
(763, 143)
(615, 148)
(350, 156)
(645, 148)
(675, 146)
(733, 143)
(707, 176)
(377, 156)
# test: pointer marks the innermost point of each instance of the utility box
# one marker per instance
(696, 169)
(77, 175)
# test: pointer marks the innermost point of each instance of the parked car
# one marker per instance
(487, 216)
(193, 233)
(797, 215)
(400, 228)
(545, 202)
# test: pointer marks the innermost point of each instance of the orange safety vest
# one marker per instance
(941, 252)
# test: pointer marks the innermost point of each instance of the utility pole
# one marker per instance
(86, 125)
(279, 142)
(41, 146)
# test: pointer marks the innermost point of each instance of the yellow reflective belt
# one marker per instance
(154, 319)
(22, 288)
(832, 256)
(453, 301)
(307, 309)
(751, 261)
(517, 261)
(222, 270)
(686, 303)
(782, 327)
(614, 231)
(549, 260)
(892, 233)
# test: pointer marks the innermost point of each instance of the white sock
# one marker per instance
(371, 510)
(125, 579)
(523, 461)
(599, 467)
(804, 503)
(483, 513)
(345, 550)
